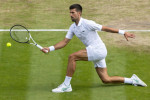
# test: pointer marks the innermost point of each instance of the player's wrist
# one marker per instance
(121, 32)
(51, 48)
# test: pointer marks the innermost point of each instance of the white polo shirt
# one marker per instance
(86, 31)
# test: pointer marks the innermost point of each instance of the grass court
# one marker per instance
(28, 74)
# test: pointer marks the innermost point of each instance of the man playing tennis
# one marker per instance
(95, 51)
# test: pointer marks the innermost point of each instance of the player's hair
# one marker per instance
(78, 7)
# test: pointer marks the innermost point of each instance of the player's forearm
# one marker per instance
(107, 29)
(57, 46)
(60, 45)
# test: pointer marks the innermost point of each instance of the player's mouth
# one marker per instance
(73, 19)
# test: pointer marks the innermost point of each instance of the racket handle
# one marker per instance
(41, 47)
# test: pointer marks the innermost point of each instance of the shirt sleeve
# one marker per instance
(70, 33)
(94, 26)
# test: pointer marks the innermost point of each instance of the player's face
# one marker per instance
(75, 15)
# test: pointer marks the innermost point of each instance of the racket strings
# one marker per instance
(20, 34)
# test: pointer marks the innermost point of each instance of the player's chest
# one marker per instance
(80, 31)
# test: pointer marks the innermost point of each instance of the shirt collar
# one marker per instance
(80, 22)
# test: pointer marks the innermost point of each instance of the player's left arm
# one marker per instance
(112, 30)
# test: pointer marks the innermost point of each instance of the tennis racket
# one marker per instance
(21, 34)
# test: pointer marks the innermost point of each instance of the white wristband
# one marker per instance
(51, 48)
(121, 32)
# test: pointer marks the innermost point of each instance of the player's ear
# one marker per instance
(80, 13)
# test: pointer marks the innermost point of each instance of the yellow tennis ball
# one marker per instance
(8, 44)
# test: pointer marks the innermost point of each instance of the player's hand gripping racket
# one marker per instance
(21, 34)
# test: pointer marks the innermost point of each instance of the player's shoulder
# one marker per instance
(88, 22)
(72, 26)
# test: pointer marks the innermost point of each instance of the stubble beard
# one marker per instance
(73, 20)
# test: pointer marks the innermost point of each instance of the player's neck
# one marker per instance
(77, 21)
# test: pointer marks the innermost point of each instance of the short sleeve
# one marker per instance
(70, 33)
(94, 26)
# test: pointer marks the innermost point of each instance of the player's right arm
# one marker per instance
(62, 43)
(57, 46)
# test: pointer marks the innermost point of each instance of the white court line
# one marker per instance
(3, 30)
(137, 30)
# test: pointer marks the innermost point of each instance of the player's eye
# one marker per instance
(72, 12)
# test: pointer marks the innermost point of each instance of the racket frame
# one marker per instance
(30, 37)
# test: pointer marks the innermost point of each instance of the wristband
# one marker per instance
(121, 32)
(51, 48)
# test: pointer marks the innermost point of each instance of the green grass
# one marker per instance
(27, 74)
(14, 66)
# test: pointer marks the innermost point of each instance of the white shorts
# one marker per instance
(97, 54)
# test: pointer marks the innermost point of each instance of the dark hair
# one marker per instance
(78, 7)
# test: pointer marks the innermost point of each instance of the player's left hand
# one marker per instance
(128, 35)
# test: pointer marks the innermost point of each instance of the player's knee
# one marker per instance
(72, 57)
(106, 80)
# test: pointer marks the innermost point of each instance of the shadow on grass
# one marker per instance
(106, 85)
(79, 87)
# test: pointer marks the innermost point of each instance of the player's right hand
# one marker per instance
(45, 49)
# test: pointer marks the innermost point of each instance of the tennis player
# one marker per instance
(95, 51)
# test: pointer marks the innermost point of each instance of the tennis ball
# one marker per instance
(8, 44)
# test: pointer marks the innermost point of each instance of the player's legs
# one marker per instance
(66, 86)
(134, 80)
(102, 73)
(80, 55)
